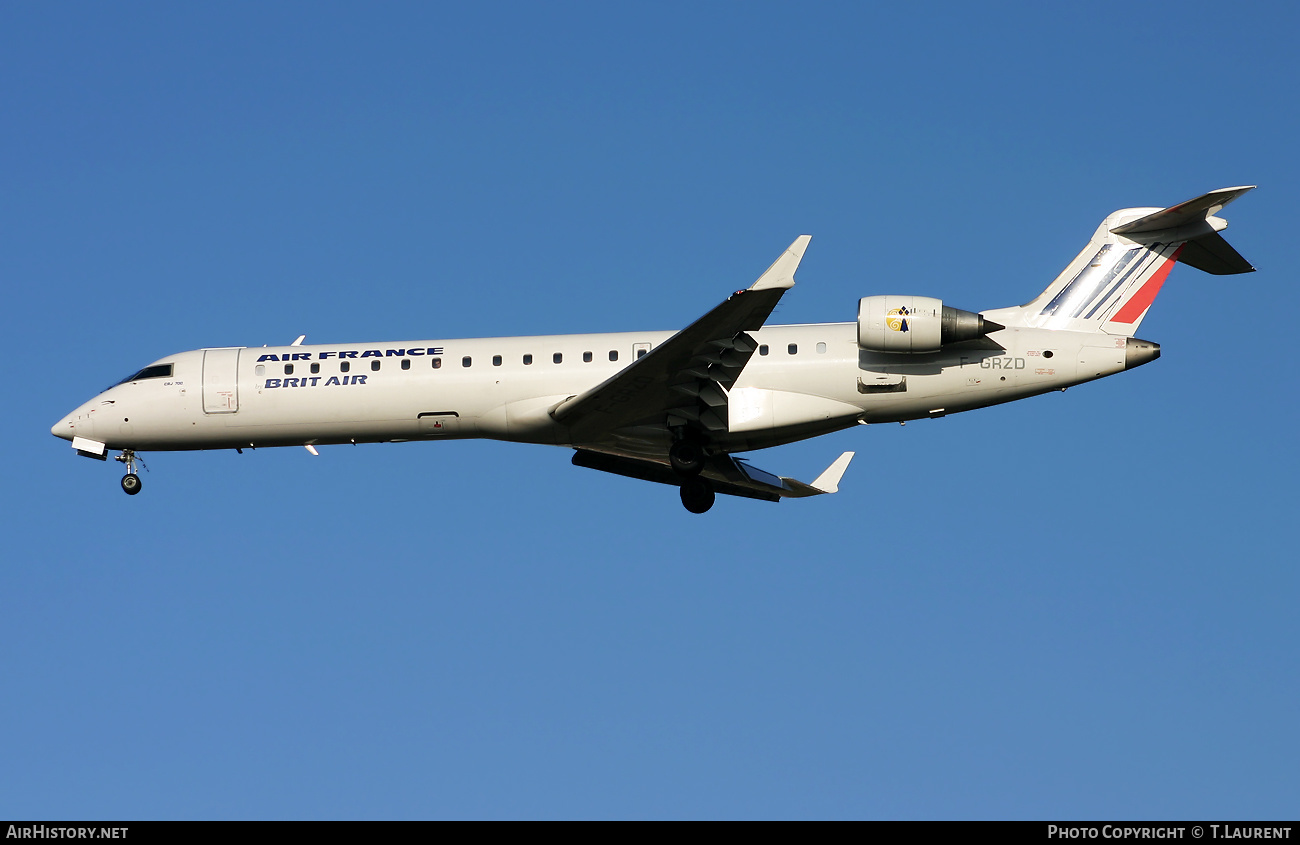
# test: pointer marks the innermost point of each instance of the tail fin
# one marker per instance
(1111, 284)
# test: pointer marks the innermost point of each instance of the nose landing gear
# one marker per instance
(131, 482)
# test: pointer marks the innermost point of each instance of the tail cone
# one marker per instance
(1139, 352)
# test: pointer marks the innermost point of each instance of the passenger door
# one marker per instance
(221, 381)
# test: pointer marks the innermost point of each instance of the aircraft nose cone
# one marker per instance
(63, 428)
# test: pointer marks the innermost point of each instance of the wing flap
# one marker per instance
(663, 474)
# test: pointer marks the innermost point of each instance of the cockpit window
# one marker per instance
(156, 371)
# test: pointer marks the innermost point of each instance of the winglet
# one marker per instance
(829, 481)
(781, 273)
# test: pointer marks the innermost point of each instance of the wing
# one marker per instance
(730, 475)
(683, 381)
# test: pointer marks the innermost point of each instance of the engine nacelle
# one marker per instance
(915, 324)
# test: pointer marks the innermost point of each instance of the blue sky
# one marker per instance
(1077, 606)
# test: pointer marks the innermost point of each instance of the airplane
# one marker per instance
(676, 408)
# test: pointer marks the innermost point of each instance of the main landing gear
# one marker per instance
(697, 494)
(687, 459)
(131, 482)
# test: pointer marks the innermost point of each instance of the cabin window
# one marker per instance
(613, 354)
(528, 359)
(793, 349)
(586, 357)
(344, 366)
(762, 350)
(641, 353)
(406, 363)
(374, 365)
(496, 360)
(260, 369)
(315, 368)
(557, 357)
(288, 369)
(821, 348)
(466, 361)
(437, 363)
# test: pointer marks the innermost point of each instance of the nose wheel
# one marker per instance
(131, 482)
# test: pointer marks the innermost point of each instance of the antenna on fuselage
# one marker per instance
(299, 341)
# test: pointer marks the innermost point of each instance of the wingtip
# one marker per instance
(781, 273)
(829, 481)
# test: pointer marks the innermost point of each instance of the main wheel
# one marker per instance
(686, 457)
(131, 483)
(697, 495)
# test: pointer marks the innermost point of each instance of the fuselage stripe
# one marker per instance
(1066, 292)
(1141, 301)
(1123, 279)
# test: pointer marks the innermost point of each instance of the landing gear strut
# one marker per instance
(131, 482)
(697, 494)
(686, 457)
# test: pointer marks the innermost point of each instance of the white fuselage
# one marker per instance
(674, 407)
(805, 380)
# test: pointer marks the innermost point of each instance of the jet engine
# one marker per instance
(915, 324)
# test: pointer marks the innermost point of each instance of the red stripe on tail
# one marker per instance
(1146, 295)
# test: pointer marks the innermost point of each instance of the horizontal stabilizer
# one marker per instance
(1185, 212)
(1212, 254)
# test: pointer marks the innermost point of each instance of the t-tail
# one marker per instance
(1109, 287)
